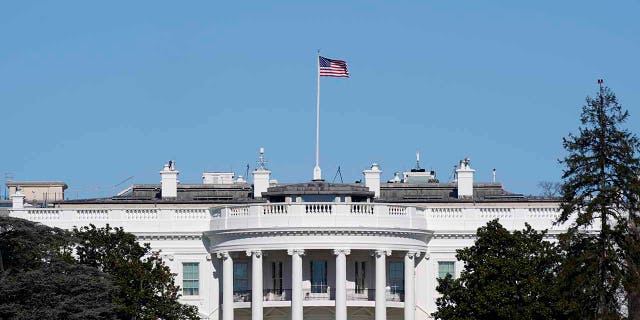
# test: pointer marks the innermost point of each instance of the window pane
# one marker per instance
(446, 267)
(318, 276)
(190, 278)
(396, 276)
(240, 277)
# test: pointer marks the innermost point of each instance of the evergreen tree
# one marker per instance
(147, 288)
(39, 278)
(600, 188)
(506, 276)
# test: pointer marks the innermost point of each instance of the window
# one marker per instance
(276, 276)
(318, 198)
(240, 277)
(361, 276)
(446, 267)
(190, 279)
(318, 276)
(396, 277)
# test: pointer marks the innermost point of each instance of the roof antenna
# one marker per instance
(261, 161)
(247, 172)
(417, 159)
(494, 175)
(453, 177)
(338, 173)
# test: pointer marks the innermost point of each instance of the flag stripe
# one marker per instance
(332, 68)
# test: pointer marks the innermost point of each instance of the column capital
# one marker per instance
(342, 251)
(257, 253)
(223, 255)
(295, 251)
(413, 254)
(381, 252)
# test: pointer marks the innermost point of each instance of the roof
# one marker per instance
(187, 193)
(36, 184)
(448, 192)
(319, 188)
(240, 193)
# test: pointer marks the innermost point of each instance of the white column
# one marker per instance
(409, 285)
(256, 284)
(227, 285)
(341, 283)
(296, 283)
(381, 283)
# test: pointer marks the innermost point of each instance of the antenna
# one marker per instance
(123, 181)
(7, 177)
(494, 175)
(338, 173)
(453, 177)
(417, 159)
(261, 161)
(247, 172)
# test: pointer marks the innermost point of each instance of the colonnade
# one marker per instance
(340, 286)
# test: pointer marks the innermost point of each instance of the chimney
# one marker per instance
(465, 179)
(17, 199)
(169, 180)
(372, 179)
(261, 177)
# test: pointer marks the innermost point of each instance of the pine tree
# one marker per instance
(600, 189)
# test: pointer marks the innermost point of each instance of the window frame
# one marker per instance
(443, 263)
(188, 290)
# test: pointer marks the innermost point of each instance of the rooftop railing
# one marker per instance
(317, 214)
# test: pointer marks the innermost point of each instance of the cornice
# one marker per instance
(168, 236)
(322, 232)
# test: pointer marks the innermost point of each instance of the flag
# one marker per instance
(333, 68)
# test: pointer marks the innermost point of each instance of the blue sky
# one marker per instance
(94, 92)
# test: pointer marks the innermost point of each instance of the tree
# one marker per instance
(600, 185)
(26, 245)
(40, 280)
(549, 188)
(506, 276)
(147, 288)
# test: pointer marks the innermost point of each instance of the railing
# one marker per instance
(361, 294)
(241, 295)
(277, 294)
(318, 214)
(275, 209)
(395, 295)
(319, 292)
(364, 208)
(318, 208)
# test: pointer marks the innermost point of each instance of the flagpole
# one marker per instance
(317, 173)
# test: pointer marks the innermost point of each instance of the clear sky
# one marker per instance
(92, 93)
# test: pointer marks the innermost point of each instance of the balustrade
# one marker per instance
(241, 295)
(277, 294)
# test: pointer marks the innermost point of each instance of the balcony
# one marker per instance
(324, 293)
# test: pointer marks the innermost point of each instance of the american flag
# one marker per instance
(333, 68)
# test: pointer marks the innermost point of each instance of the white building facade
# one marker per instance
(312, 250)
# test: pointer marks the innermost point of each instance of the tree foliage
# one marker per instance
(506, 276)
(600, 189)
(87, 273)
(147, 288)
(40, 280)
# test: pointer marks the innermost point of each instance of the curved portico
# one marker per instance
(339, 254)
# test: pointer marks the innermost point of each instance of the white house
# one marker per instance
(312, 250)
